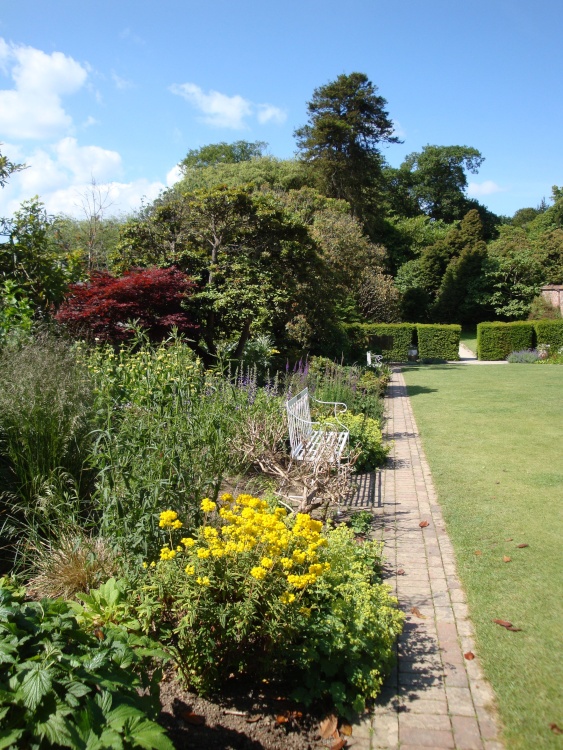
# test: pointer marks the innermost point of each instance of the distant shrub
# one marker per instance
(495, 341)
(526, 356)
(542, 309)
(549, 332)
(105, 305)
(438, 341)
(393, 340)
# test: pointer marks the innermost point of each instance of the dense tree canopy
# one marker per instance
(296, 248)
(29, 257)
(222, 153)
(435, 180)
(254, 265)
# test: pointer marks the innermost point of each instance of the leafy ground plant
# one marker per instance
(365, 434)
(360, 522)
(61, 686)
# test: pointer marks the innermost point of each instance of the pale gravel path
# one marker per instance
(436, 698)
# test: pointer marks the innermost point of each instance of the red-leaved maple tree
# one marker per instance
(103, 306)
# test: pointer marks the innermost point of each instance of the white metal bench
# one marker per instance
(374, 360)
(315, 441)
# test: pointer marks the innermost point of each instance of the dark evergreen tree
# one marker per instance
(341, 142)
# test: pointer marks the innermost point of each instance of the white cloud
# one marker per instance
(225, 111)
(174, 175)
(62, 172)
(121, 83)
(477, 190)
(123, 197)
(33, 108)
(269, 113)
(85, 162)
(219, 109)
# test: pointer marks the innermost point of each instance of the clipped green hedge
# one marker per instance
(498, 340)
(549, 332)
(438, 341)
(364, 336)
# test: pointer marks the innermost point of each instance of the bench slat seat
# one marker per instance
(327, 442)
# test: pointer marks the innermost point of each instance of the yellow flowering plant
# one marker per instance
(256, 590)
(243, 578)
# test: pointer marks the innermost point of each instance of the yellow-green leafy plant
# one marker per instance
(347, 649)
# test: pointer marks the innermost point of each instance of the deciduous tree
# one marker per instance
(254, 264)
(103, 306)
(434, 180)
(222, 153)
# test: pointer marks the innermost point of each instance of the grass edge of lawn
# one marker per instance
(481, 501)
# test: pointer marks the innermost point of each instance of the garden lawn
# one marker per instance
(493, 436)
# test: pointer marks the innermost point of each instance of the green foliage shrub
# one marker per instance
(16, 314)
(347, 646)
(438, 341)
(361, 521)
(62, 686)
(166, 438)
(399, 337)
(497, 340)
(549, 332)
(366, 435)
(221, 598)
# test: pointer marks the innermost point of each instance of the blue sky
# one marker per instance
(121, 90)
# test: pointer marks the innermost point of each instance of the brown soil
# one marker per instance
(244, 717)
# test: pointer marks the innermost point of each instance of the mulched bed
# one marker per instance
(244, 717)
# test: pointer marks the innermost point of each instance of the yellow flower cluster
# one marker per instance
(169, 520)
(284, 549)
(208, 505)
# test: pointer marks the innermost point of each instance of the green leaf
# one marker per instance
(108, 738)
(75, 691)
(149, 735)
(120, 715)
(55, 730)
(8, 737)
(36, 684)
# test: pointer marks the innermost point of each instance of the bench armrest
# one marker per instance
(333, 403)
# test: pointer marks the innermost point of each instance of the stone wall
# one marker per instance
(553, 294)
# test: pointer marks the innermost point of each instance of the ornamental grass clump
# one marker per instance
(256, 591)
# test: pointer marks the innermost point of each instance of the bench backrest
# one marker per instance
(299, 420)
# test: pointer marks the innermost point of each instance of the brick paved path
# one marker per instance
(436, 698)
